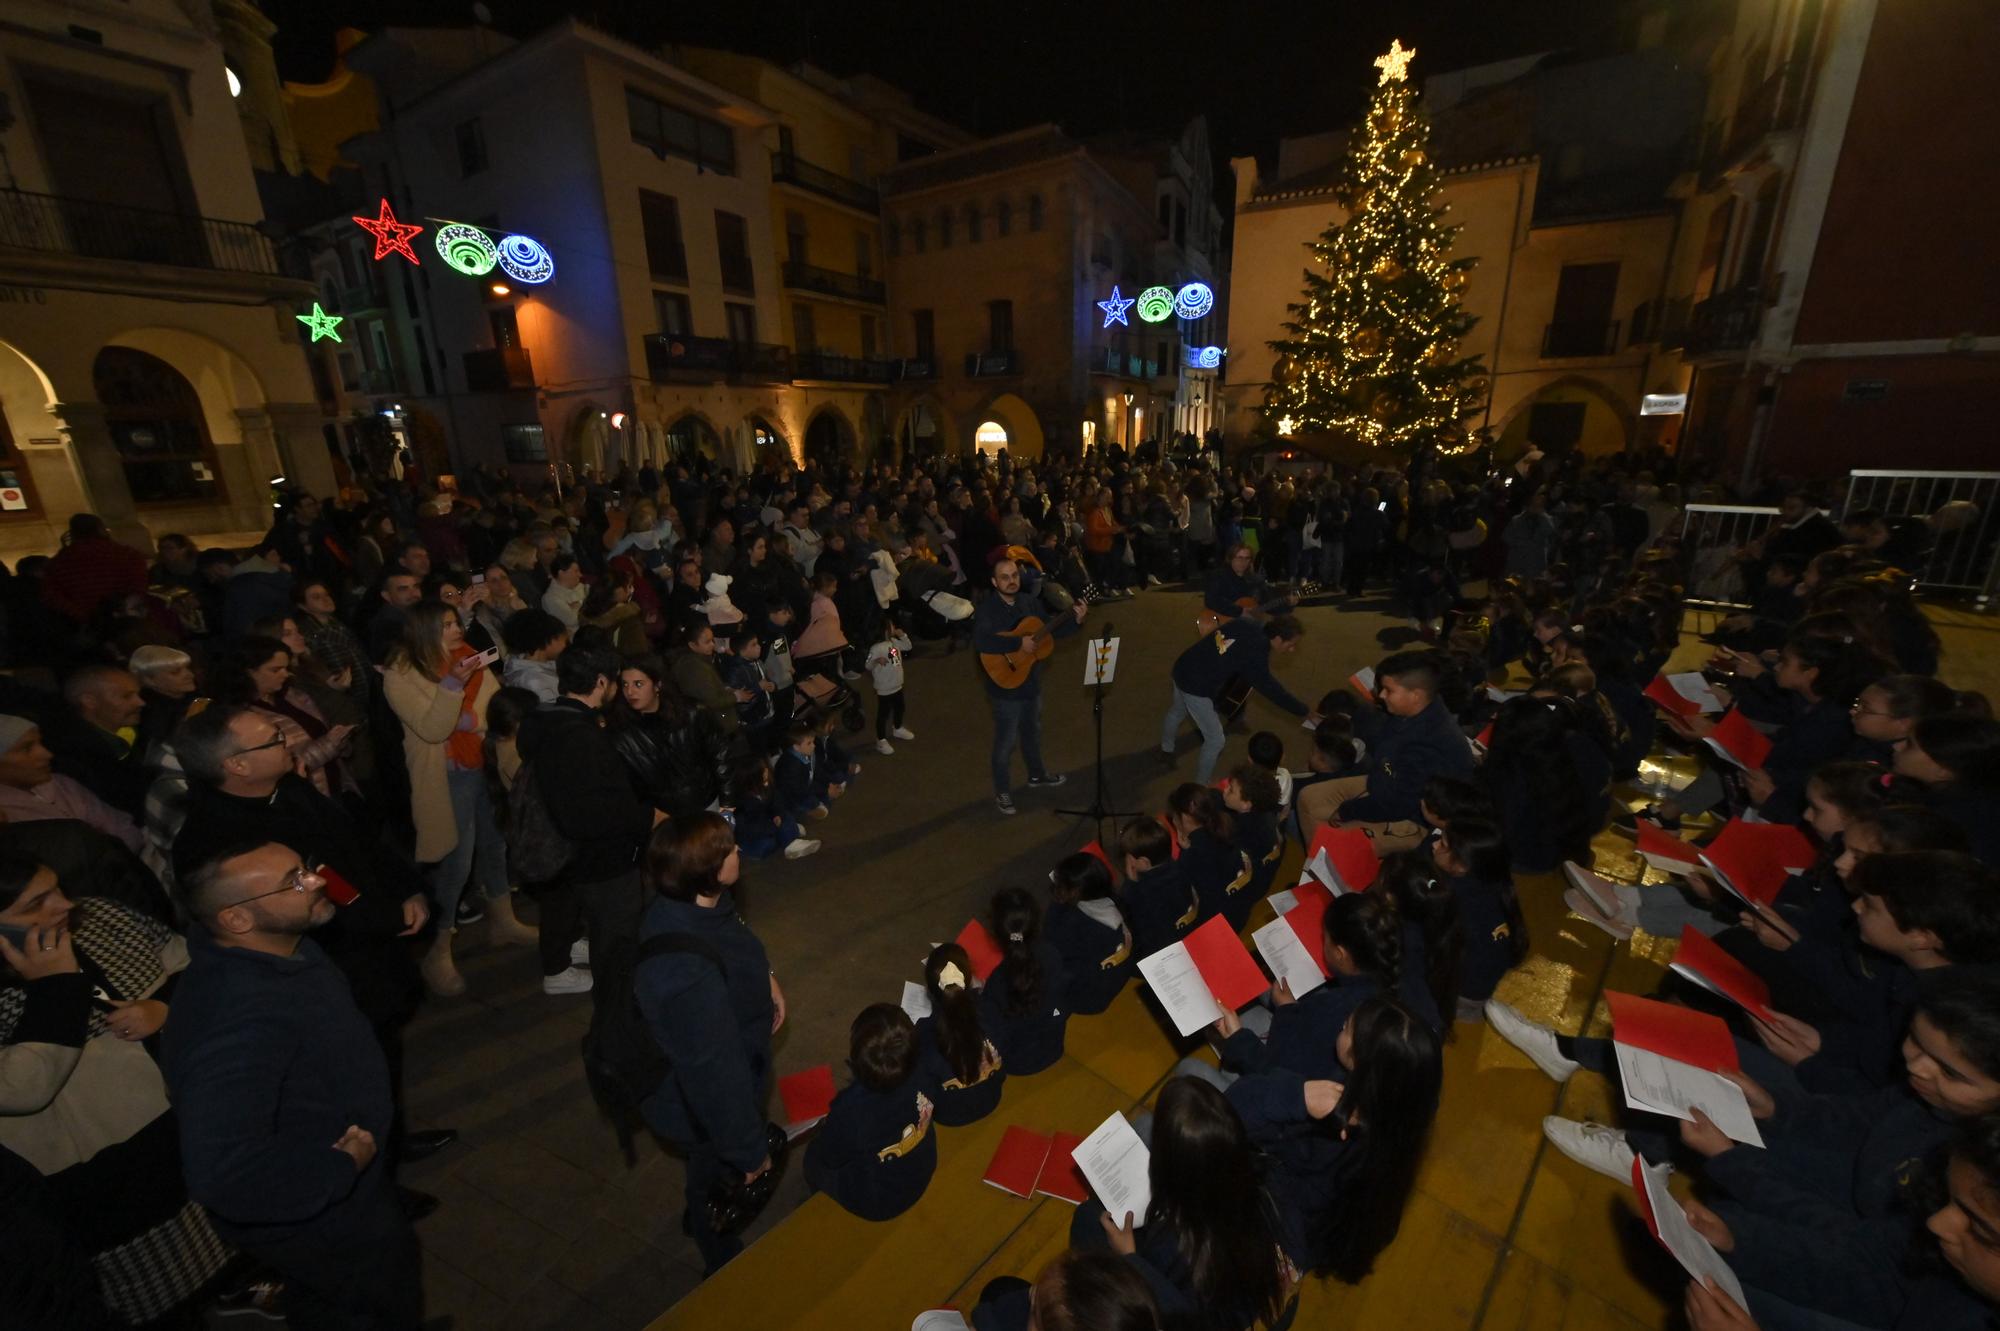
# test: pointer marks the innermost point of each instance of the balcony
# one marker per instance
(54, 225)
(916, 368)
(1124, 364)
(1771, 106)
(1725, 322)
(991, 364)
(1592, 338)
(828, 282)
(498, 369)
(789, 169)
(831, 367)
(674, 358)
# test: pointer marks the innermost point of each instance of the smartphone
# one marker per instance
(487, 657)
(478, 578)
(1382, 507)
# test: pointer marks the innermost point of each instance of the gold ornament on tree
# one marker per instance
(1413, 158)
(1388, 269)
(1454, 280)
(1368, 341)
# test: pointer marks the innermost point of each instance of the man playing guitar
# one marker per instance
(1234, 591)
(999, 630)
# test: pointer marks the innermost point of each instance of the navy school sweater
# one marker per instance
(1096, 959)
(1237, 650)
(958, 1101)
(1304, 1034)
(1219, 873)
(1404, 753)
(1031, 1040)
(1160, 905)
(875, 1152)
(1489, 942)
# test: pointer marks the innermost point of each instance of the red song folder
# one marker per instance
(1679, 1033)
(1018, 1161)
(1662, 848)
(1351, 852)
(1740, 742)
(1753, 861)
(1704, 961)
(806, 1095)
(980, 949)
(1060, 1178)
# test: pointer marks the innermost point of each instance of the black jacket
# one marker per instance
(681, 770)
(590, 798)
(1237, 650)
(1404, 753)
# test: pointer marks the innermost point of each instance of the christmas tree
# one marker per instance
(1373, 351)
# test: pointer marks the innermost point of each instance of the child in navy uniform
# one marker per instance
(1021, 1006)
(875, 1152)
(1251, 796)
(1089, 933)
(1209, 859)
(800, 791)
(953, 1052)
(760, 828)
(835, 767)
(1156, 897)
(1471, 856)
(1267, 751)
(1363, 944)
(1433, 932)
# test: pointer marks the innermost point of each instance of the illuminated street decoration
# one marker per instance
(391, 236)
(323, 325)
(1115, 308)
(1286, 425)
(1204, 358)
(525, 259)
(1194, 300)
(1156, 304)
(467, 248)
(1395, 66)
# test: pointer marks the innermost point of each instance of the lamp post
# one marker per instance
(1127, 431)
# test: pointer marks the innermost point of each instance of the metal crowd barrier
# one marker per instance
(1710, 535)
(1960, 512)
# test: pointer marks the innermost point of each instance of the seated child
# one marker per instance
(875, 1152)
(760, 828)
(801, 793)
(1021, 1006)
(1363, 945)
(1471, 857)
(835, 768)
(952, 1049)
(1268, 752)
(1156, 897)
(1208, 859)
(1089, 933)
(1250, 793)
(1433, 933)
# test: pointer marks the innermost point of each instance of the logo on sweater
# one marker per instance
(1223, 642)
(913, 1133)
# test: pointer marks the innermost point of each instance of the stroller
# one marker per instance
(933, 610)
(821, 689)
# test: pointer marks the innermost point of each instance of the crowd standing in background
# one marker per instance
(252, 798)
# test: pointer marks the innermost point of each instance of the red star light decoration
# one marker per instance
(391, 236)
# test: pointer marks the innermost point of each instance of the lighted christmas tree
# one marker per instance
(1373, 351)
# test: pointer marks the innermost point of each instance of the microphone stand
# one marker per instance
(1100, 807)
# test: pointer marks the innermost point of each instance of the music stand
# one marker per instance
(1100, 648)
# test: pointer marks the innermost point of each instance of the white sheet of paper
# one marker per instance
(1725, 754)
(1618, 901)
(1100, 660)
(1365, 677)
(1320, 869)
(916, 1001)
(940, 1319)
(1665, 1086)
(1285, 899)
(1677, 867)
(1502, 695)
(1113, 1161)
(1177, 983)
(1278, 943)
(1695, 689)
(1696, 1254)
(794, 1131)
(1104, 910)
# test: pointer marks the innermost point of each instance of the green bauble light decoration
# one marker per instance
(467, 249)
(1156, 304)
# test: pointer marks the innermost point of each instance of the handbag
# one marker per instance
(733, 1203)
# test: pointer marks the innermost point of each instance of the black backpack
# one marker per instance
(622, 1062)
(537, 850)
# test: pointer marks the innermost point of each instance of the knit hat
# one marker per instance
(12, 728)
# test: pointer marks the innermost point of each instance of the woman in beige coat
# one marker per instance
(438, 689)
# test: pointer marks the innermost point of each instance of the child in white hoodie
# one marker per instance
(885, 666)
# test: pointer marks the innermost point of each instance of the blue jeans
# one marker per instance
(480, 852)
(1203, 711)
(1016, 720)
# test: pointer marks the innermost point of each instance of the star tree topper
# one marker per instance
(391, 236)
(321, 323)
(1395, 66)
(1114, 309)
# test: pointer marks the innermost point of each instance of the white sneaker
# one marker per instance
(1152, 580)
(579, 952)
(900, 733)
(1591, 1145)
(571, 981)
(884, 747)
(1537, 1042)
(800, 848)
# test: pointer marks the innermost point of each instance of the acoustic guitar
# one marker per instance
(1208, 621)
(1010, 669)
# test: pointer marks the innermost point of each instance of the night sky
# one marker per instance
(1258, 69)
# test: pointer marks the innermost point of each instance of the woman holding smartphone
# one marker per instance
(439, 687)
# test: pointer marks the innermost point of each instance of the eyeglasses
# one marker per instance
(276, 741)
(302, 879)
(1858, 710)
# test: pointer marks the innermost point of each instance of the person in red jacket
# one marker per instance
(90, 569)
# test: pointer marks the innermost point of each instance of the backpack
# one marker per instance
(537, 850)
(622, 1062)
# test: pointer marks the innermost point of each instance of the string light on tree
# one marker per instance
(1371, 351)
(323, 325)
(391, 236)
(1115, 308)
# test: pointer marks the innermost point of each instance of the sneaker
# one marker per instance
(579, 952)
(1052, 779)
(900, 733)
(1591, 1145)
(884, 747)
(1152, 580)
(471, 910)
(800, 848)
(574, 980)
(1536, 1041)
(1004, 803)
(258, 1298)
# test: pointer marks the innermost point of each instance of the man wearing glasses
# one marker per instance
(283, 1096)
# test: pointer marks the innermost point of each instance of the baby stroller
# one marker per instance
(820, 689)
(933, 610)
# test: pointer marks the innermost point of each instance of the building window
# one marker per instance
(742, 322)
(671, 132)
(1003, 217)
(732, 247)
(944, 228)
(670, 314)
(524, 443)
(158, 428)
(917, 237)
(923, 334)
(378, 338)
(805, 337)
(1581, 324)
(864, 255)
(666, 252)
(999, 325)
(471, 136)
(972, 224)
(795, 237)
(870, 337)
(1034, 212)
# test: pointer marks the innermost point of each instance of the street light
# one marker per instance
(1127, 432)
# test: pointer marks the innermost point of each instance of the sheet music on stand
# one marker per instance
(1100, 661)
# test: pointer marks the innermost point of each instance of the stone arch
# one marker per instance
(829, 437)
(924, 428)
(692, 434)
(586, 440)
(1025, 439)
(768, 445)
(1609, 417)
(35, 485)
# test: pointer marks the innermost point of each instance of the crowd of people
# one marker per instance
(254, 800)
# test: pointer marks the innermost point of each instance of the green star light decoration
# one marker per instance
(322, 324)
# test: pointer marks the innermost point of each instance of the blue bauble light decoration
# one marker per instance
(525, 259)
(1208, 358)
(1194, 300)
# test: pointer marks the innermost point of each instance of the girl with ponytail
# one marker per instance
(1209, 856)
(952, 1048)
(1022, 1006)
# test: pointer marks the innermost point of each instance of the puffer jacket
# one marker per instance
(681, 770)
